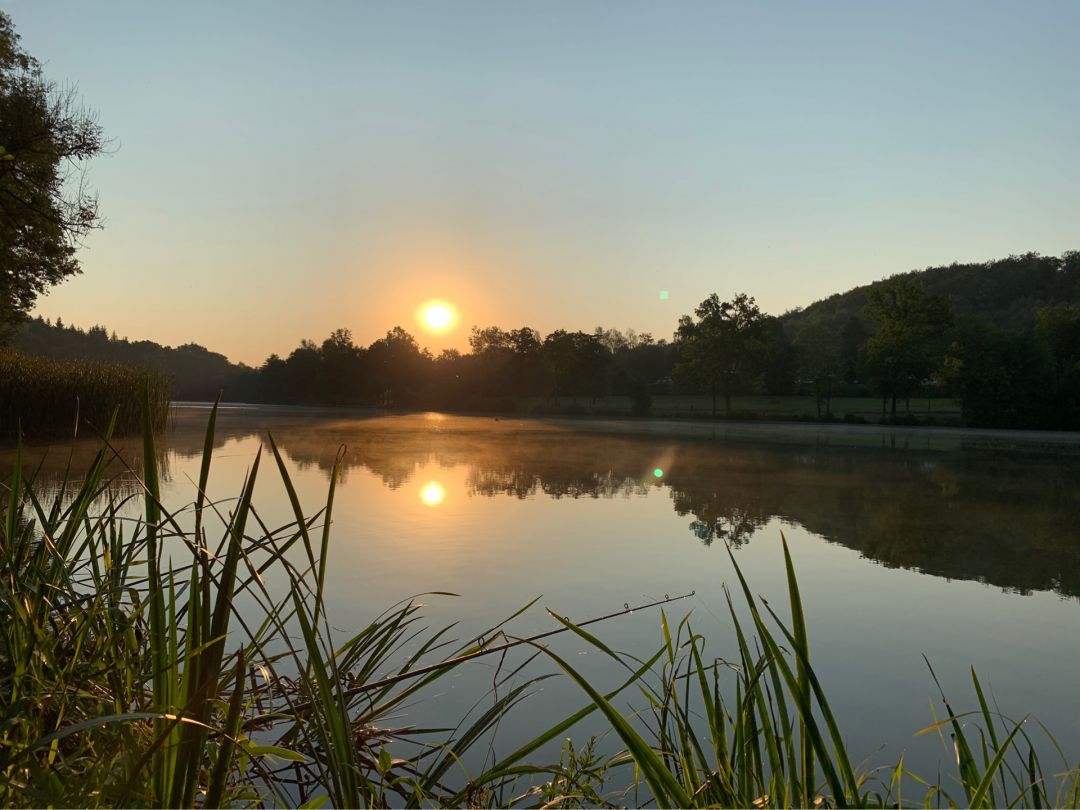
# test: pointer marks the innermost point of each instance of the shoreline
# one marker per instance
(749, 429)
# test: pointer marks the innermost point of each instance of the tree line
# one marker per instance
(1003, 337)
(906, 342)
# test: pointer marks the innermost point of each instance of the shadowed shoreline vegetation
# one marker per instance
(46, 398)
(133, 675)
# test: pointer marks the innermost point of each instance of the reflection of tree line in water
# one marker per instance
(60, 470)
(1003, 518)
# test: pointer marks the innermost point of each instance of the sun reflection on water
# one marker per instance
(432, 494)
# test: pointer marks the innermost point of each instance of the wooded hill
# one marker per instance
(196, 372)
(1005, 293)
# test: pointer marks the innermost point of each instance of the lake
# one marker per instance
(960, 546)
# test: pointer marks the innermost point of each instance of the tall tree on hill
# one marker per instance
(910, 339)
(46, 137)
(721, 351)
(852, 336)
(778, 358)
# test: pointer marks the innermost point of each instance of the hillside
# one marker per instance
(1006, 292)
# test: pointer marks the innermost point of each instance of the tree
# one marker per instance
(852, 336)
(778, 358)
(1058, 330)
(397, 367)
(341, 369)
(576, 362)
(821, 361)
(1001, 378)
(304, 367)
(46, 137)
(722, 349)
(909, 342)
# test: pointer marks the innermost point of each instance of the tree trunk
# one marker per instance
(727, 404)
(713, 404)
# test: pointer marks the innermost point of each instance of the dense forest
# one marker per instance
(1003, 337)
(197, 373)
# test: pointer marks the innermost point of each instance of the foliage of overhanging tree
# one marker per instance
(46, 137)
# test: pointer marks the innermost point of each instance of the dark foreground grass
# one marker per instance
(130, 675)
(41, 397)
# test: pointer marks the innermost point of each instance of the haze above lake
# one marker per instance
(963, 546)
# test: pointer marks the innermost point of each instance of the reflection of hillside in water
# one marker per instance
(1004, 518)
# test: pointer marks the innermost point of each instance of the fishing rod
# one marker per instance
(453, 662)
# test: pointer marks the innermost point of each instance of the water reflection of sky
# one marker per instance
(967, 555)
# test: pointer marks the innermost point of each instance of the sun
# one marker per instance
(438, 316)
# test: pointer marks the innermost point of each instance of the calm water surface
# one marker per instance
(962, 547)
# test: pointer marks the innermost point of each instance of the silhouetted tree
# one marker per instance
(493, 361)
(576, 362)
(45, 208)
(821, 361)
(1001, 378)
(397, 367)
(1058, 330)
(909, 342)
(778, 358)
(304, 370)
(722, 350)
(852, 337)
(273, 380)
(341, 369)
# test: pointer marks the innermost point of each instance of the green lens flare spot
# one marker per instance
(658, 473)
(663, 295)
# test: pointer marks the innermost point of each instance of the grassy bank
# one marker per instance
(46, 398)
(131, 675)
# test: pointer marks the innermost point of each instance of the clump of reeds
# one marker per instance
(129, 675)
(758, 731)
(43, 397)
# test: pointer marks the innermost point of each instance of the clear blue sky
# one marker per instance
(283, 169)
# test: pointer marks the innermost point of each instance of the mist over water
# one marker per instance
(962, 547)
